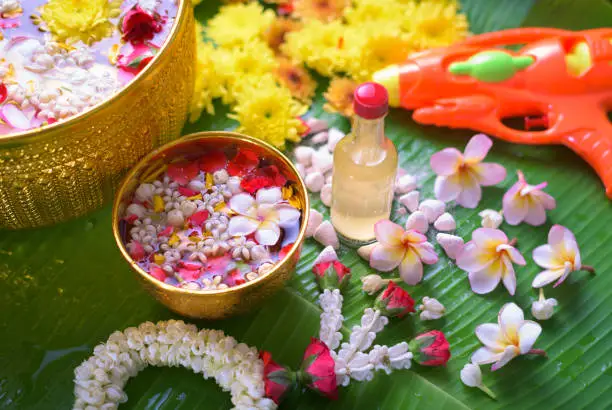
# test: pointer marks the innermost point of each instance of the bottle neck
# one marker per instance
(369, 132)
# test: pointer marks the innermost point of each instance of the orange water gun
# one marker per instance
(559, 83)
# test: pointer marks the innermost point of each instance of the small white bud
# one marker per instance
(372, 283)
(431, 309)
(188, 208)
(135, 209)
(197, 185)
(176, 218)
(220, 177)
(543, 309)
(471, 375)
(144, 192)
(491, 219)
(233, 184)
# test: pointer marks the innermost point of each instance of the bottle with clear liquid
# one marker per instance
(365, 166)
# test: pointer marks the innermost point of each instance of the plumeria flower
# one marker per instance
(488, 258)
(543, 309)
(263, 215)
(559, 257)
(528, 203)
(510, 337)
(460, 176)
(407, 249)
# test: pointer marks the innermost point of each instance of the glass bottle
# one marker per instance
(365, 166)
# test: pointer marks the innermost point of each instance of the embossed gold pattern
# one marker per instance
(71, 168)
(219, 303)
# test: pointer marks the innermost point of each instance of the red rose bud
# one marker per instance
(394, 301)
(277, 379)
(431, 349)
(318, 370)
(331, 275)
(139, 25)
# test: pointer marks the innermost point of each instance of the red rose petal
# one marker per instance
(183, 172)
(284, 251)
(244, 162)
(213, 161)
(168, 230)
(198, 218)
(158, 273)
(3, 93)
(131, 218)
(187, 192)
(271, 171)
(234, 278)
(136, 251)
(189, 274)
(253, 183)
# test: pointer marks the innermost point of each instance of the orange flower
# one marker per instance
(296, 79)
(324, 10)
(276, 32)
(339, 96)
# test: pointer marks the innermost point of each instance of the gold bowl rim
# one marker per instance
(199, 136)
(179, 22)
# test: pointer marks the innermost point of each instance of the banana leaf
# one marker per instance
(65, 288)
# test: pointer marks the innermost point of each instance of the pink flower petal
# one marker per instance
(287, 214)
(536, 214)
(485, 356)
(446, 162)
(558, 234)
(509, 353)
(489, 334)
(546, 200)
(515, 256)
(414, 236)
(510, 318)
(545, 257)
(483, 281)
(489, 237)
(268, 233)
(242, 203)
(15, 117)
(385, 259)
(241, 225)
(388, 233)
(472, 259)
(411, 268)
(528, 334)
(514, 206)
(269, 195)
(426, 253)
(509, 277)
(447, 188)
(490, 173)
(566, 271)
(477, 148)
(470, 195)
(547, 276)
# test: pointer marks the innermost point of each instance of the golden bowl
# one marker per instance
(70, 168)
(222, 303)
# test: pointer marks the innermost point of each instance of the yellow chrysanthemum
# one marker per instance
(339, 96)
(324, 10)
(385, 12)
(326, 48)
(380, 50)
(246, 84)
(239, 23)
(269, 113)
(254, 58)
(208, 84)
(86, 20)
(435, 23)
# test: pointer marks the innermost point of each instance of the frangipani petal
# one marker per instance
(514, 206)
(471, 193)
(287, 214)
(411, 268)
(242, 203)
(490, 174)
(269, 195)
(509, 353)
(447, 188)
(473, 259)
(544, 256)
(509, 277)
(536, 214)
(385, 259)
(241, 225)
(547, 276)
(483, 282)
(510, 318)
(477, 148)
(514, 255)
(484, 356)
(485, 237)
(268, 233)
(546, 200)
(446, 162)
(388, 233)
(426, 252)
(489, 334)
(528, 334)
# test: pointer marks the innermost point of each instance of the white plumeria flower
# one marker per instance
(406, 249)
(524, 202)
(559, 257)
(491, 219)
(431, 309)
(471, 376)
(460, 176)
(265, 215)
(543, 309)
(488, 258)
(510, 337)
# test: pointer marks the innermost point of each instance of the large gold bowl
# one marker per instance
(70, 168)
(219, 303)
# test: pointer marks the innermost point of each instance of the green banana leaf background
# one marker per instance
(66, 288)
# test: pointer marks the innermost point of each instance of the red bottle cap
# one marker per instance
(371, 101)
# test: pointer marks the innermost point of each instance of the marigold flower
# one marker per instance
(461, 175)
(72, 20)
(560, 257)
(435, 23)
(237, 24)
(323, 10)
(296, 79)
(407, 249)
(488, 258)
(275, 33)
(510, 337)
(340, 95)
(524, 202)
(270, 114)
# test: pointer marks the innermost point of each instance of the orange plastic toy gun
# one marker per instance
(559, 83)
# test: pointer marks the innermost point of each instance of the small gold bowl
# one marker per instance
(222, 303)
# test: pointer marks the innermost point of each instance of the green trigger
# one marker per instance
(491, 66)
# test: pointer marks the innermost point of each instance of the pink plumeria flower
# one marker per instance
(559, 257)
(510, 337)
(264, 215)
(488, 259)
(460, 176)
(524, 202)
(406, 249)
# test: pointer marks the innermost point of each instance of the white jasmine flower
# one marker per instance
(491, 219)
(431, 309)
(543, 309)
(471, 376)
(331, 318)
